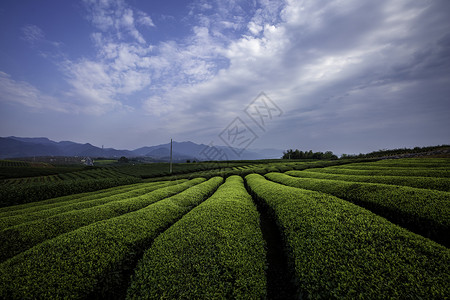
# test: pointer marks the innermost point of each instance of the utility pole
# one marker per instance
(170, 169)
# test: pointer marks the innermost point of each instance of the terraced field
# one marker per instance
(370, 230)
(23, 182)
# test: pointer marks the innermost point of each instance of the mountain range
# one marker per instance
(15, 147)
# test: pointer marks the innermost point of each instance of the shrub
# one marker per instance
(23, 193)
(434, 183)
(214, 251)
(426, 212)
(19, 238)
(75, 264)
(341, 250)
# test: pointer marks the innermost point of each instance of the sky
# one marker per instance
(348, 76)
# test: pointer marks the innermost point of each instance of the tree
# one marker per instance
(123, 159)
(329, 155)
(297, 154)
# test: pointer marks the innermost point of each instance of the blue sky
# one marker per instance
(348, 76)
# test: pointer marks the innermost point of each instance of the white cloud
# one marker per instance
(144, 19)
(338, 69)
(321, 62)
(101, 84)
(254, 28)
(32, 33)
(117, 16)
(24, 93)
(124, 64)
(157, 106)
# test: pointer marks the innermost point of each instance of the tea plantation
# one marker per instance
(348, 230)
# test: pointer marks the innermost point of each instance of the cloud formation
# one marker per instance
(117, 18)
(334, 67)
(23, 93)
(32, 33)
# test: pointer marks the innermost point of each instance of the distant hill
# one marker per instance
(15, 147)
(184, 149)
(193, 151)
(11, 147)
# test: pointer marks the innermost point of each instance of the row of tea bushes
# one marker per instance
(17, 239)
(216, 251)
(14, 194)
(87, 261)
(61, 201)
(433, 183)
(341, 250)
(422, 172)
(37, 212)
(426, 212)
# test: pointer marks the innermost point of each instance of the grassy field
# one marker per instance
(281, 229)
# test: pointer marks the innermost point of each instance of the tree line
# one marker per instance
(399, 151)
(297, 154)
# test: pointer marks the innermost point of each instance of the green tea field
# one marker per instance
(340, 229)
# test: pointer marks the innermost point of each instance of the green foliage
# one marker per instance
(87, 173)
(214, 251)
(399, 151)
(297, 154)
(259, 168)
(86, 245)
(426, 212)
(152, 170)
(64, 200)
(104, 161)
(28, 170)
(38, 181)
(411, 162)
(23, 193)
(434, 183)
(421, 172)
(340, 250)
(398, 165)
(13, 163)
(123, 159)
(19, 238)
(36, 212)
(73, 265)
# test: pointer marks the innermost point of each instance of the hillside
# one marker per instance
(17, 147)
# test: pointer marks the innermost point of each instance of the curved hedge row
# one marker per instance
(19, 194)
(13, 163)
(388, 171)
(76, 264)
(340, 250)
(256, 168)
(58, 174)
(426, 212)
(404, 163)
(33, 170)
(399, 167)
(433, 183)
(19, 238)
(63, 200)
(43, 212)
(216, 251)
